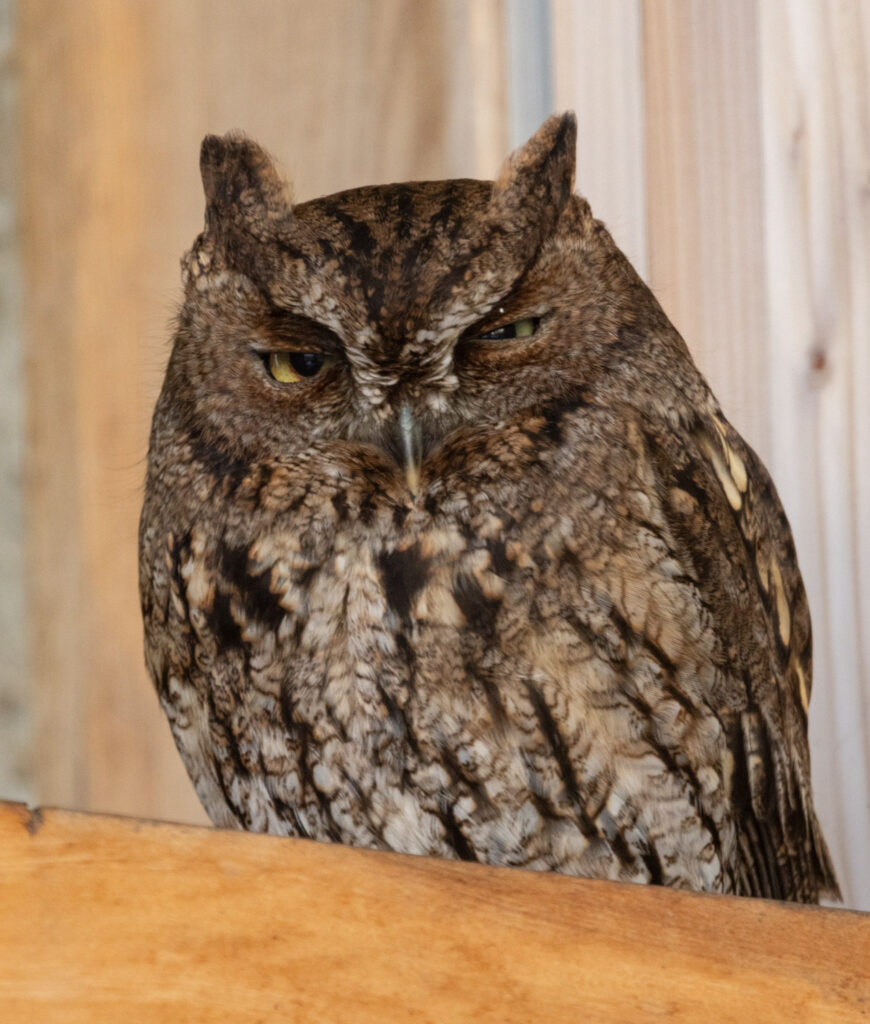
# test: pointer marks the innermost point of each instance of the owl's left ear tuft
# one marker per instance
(241, 183)
(542, 170)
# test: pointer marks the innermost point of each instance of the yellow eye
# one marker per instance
(524, 328)
(292, 367)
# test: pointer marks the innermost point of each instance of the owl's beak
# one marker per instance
(411, 441)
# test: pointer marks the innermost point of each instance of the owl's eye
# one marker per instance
(292, 367)
(524, 328)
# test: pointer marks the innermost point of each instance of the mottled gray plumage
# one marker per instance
(486, 574)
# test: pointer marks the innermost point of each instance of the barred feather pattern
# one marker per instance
(575, 639)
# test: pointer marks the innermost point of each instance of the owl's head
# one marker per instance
(398, 316)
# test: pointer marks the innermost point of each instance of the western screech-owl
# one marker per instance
(448, 549)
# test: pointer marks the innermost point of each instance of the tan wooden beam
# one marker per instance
(111, 919)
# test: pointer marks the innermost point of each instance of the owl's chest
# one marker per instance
(434, 594)
(412, 688)
(346, 624)
(374, 649)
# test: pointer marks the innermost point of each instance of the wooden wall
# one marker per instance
(725, 142)
(115, 97)
(15, 759)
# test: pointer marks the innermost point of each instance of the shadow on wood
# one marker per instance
(107, 919)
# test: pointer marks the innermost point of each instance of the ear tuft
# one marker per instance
(541, 171)
(241, 183)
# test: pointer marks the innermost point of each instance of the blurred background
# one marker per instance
(726, 143)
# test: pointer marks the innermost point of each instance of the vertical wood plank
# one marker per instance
(598, 72)
(115, 99)
(756, 121)
(816, 116)
(703, 161)
(15, 760)
(477, 119)
(88, 201)
(528, 46)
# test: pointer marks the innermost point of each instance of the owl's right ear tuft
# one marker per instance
(533, 188)
(241, 183)
(542, 170)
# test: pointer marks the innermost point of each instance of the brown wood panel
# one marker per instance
(704, 198)
(111, 919)
(115, 98)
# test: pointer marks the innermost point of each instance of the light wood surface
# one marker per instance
(704, 201)
(108, 919)
(598, 72)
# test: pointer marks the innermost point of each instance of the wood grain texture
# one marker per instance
(598, 72)
(15, 760)
(115, 99)
(477, 128)
(815, 66)
(107, 919)
(703, 170)
(90, 202)
(757, 127)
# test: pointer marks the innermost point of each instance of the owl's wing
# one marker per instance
(732, 535)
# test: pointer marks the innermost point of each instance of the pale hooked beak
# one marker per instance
(411, 439)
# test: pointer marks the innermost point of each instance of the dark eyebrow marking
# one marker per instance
(294, 331)
(503, 311)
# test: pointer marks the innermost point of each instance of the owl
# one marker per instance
(448, 549)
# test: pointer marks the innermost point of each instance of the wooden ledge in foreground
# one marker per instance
(117, 920)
